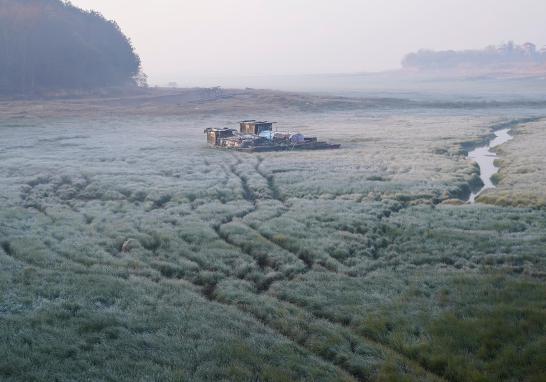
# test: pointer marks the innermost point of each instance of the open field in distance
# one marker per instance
(131, 251)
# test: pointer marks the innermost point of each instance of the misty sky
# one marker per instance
(179, 39)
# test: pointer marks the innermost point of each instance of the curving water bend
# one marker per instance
(485, 159)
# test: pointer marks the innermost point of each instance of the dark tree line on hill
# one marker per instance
(508, 54)
(50, 45)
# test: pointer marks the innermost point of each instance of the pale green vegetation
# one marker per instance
(521, 180)
(130, 251)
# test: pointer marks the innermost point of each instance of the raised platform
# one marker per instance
(284, 147)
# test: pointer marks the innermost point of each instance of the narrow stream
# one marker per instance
(485, 159)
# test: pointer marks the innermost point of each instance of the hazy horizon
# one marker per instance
(192, 40)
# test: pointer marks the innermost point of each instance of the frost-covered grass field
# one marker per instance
(131, 251)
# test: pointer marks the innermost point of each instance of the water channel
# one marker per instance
(486, 160)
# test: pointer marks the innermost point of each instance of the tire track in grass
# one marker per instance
(388, 348)
(308, 259)
(261, 258)
(249, 195)
(385, 348)
(342, 370)
(309, 264)
(209, 291)
(270, 179)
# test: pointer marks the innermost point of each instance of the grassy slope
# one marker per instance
(295, 266)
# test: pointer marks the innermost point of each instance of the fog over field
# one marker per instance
(191, 42)
(375, 232)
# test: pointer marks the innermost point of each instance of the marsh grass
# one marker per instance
(155, 258)
(480, 331)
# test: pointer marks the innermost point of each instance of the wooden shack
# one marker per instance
(214, 135)
(255, 127)
(258, 136)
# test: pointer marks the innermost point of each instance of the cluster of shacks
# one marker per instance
(259, 136)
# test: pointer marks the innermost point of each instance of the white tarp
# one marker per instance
(297, 138)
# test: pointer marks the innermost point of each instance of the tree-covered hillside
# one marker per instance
(50, 45)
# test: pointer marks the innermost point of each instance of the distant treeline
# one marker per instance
(508, 54)
(50, 45)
